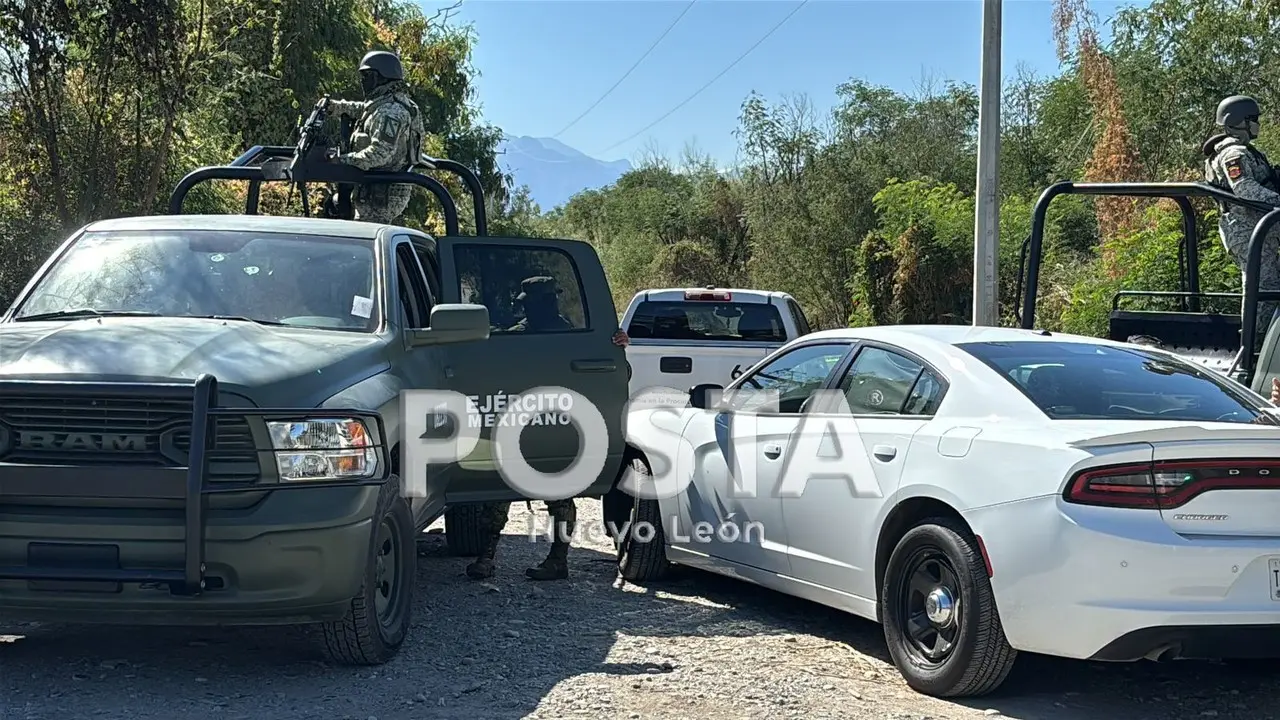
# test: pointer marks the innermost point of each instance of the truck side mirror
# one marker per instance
(700, 395)
(452, 323)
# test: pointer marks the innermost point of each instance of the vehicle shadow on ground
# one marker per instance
(499, 648)
(492, 649)
(1039, 688)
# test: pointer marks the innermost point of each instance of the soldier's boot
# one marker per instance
(556, 567)
(482, 567)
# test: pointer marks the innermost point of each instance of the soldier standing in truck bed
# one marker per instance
(1234, 164)
(388, 136)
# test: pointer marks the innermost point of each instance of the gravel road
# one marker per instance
(696, 646)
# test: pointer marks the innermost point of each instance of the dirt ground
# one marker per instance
(695, 646)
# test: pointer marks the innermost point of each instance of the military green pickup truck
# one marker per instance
(201, 415)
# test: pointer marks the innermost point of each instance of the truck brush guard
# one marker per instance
(189, 484)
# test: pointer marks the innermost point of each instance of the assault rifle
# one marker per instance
(311, 153)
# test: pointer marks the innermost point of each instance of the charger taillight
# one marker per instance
(1167, 485)
(708, 295)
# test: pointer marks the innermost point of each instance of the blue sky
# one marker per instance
(542, 62)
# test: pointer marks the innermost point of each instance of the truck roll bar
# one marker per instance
(1252, 294)
(470, 179)
(1181, 193)
(265, 163)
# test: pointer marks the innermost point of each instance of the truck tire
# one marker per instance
(642, 556)
(465, 530)
(378, 617)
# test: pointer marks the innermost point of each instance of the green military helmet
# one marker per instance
(1237, 110)
(538, 286)
(379, 68)
(385, 63)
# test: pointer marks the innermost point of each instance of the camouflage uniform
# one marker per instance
(1234, 164)
(564, 518)
(388, 135)
(538, 295)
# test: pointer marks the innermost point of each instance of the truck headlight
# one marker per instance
(329, 449)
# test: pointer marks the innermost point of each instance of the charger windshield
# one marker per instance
(270, 278)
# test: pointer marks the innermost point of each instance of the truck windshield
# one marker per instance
(271, 278)
(1083, 381)
(701, 320)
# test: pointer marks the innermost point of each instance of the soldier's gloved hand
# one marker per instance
(331, 155)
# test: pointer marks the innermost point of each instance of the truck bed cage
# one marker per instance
(266, 163)
(1190, 294)
(189, 484)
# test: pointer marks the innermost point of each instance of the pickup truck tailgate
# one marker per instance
(681, 365)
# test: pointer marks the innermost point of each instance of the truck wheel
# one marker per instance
(377, 620)
(642, 551)
(465, 530)
(940, 616)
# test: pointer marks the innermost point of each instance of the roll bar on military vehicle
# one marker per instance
(280, 163)
(190, 484)
(1209, 328)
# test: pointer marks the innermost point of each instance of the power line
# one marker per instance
(698, 92)
(628, 72)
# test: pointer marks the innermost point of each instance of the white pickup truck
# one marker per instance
(681, 337)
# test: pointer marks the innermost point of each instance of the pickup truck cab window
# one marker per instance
(269, 277)
(703, 320)
(526, 289)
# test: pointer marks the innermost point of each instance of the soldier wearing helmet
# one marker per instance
(388, 135)
(1234, 164)
(540, 299)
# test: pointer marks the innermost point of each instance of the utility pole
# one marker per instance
(986, 235)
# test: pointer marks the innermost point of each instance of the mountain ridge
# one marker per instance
(553, 171)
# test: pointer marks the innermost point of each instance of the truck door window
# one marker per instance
(430, 268)
(414, 297)
(707, 320)
(526, 289)
(880, 382)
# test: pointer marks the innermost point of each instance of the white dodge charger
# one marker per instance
(979, 492)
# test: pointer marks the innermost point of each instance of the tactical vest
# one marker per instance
(379, 192)
(413, 147)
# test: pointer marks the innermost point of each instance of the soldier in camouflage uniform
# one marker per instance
(388, 135)
(1234, 164)
(539, 297)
